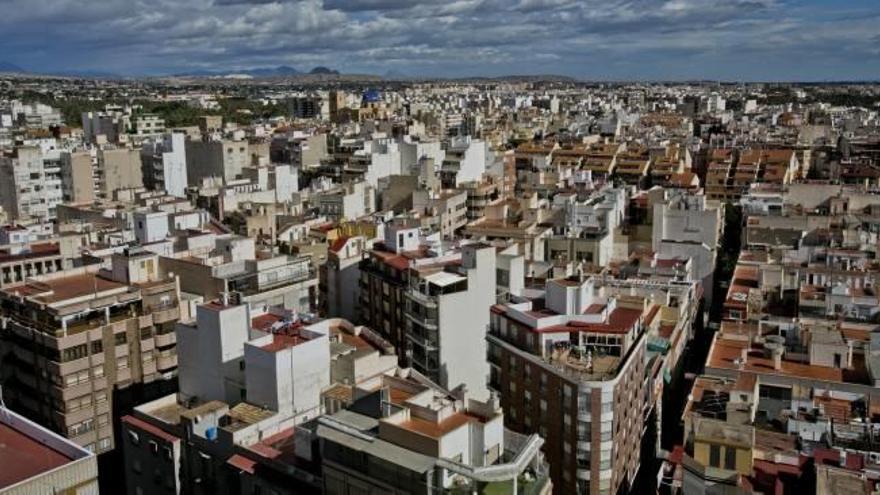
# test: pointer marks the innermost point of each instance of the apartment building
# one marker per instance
(37, 460)
(347, 202)
(118, 168)
(165, 164)
(104, 127)
(78, 177)
(465, 160)
(588, 227)
(525, 221)
(32, 188)
(383, 281)
(244, 419)
(422, 439)
(22, 258)
(685, 225)
(444, 212)
(221, 158)
(72, 338)
(583, 365)
(239, 387)
(147, 125)
(340, 277)
(446, 306)
(633, 166)
(413, 296)
(211, 264)
(479, 195)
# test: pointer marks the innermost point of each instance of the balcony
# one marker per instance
(165, 339)
(422, 298)
(250, 284)
(166, 363)
(426, 343)
(163, 313)
(423, 321)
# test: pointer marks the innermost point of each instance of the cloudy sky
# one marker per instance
(590, 39)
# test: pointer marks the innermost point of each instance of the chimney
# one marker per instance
(777, 358)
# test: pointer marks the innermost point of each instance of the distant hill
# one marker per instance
(279, 71)
(324, 71)
(10, 67)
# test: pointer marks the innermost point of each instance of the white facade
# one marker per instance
(150, 226)
(214, 349)
(165, 164)
(287, 374)
(384, 160)
(31, 188)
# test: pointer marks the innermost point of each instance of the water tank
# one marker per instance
(211, 433)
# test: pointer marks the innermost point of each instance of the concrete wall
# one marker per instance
(122, 170)
(213, 349)
(78, 185)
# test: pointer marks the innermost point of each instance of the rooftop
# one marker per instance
(23, 457)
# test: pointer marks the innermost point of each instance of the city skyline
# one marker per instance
(741, 40)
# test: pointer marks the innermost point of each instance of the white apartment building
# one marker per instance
(447, 316)
(686, 226)
(465, 160)
(165, 164)
(347, 202)
(31, 188)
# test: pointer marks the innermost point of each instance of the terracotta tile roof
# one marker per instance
(338, 244)
(724, 352)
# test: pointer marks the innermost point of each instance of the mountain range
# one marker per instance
(279, 71)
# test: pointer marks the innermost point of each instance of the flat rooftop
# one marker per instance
(438, 430)
(60, 289)
(24, 457)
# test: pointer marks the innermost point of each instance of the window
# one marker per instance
(730, 458)
(120, 338)
(714, 456)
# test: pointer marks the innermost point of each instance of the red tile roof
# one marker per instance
(338, 243)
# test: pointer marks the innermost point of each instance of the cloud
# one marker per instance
(603, 39)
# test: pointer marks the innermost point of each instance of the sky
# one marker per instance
(733, 40)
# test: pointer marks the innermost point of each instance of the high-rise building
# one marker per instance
(72, 338)
(574, 364)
